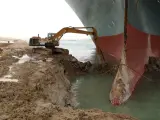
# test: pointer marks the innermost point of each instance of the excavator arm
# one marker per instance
(77, 30)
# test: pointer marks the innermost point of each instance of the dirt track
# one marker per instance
(43, 91)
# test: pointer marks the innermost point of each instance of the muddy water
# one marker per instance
(93, 90)
(8, 76)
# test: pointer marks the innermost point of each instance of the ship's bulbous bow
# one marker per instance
(143, 37)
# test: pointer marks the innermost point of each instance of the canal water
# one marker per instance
(93, 90)
(83, 50)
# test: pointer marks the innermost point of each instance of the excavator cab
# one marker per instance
(50, 35)
(54, 42)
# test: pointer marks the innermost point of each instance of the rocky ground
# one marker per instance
(43, 91)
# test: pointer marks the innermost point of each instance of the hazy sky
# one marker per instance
(26, 18)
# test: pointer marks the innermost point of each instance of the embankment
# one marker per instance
(43, 91)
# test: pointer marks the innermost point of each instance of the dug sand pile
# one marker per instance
(43, 91)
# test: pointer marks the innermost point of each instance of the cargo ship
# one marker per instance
(142, 37)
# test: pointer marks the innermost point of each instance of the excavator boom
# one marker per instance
(78, 30)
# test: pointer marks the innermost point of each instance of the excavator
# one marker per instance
(52, 39)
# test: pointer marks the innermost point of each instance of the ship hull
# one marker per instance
(143, 37)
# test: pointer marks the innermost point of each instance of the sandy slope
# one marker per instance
(43, 91)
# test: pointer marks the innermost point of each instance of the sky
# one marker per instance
(23, 19)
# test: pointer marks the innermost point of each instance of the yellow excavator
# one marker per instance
(52, 39)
